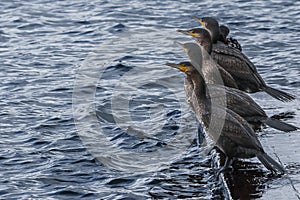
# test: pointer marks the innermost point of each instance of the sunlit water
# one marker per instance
(88, 109)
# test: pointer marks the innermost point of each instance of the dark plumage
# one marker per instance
(229, 41)
(188, 86)
(235, 138)
(242, 104)
(220, 34)
(236, 63)
(224, 32)
(211, 68)
(235, 100)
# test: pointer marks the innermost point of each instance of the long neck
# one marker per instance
(188, 81)
(214, 33)
(199, 84)
(206, 45)
(199, 101)
(205, 55)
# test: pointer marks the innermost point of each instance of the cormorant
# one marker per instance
(235, 100)
(236, 137)
(235, 62)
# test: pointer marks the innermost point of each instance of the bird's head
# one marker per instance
(210, 24)
(200, 34)
(207, 22)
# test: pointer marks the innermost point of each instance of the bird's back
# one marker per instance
(237, 138)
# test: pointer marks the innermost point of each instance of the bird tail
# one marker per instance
(270, 163)
(277, 94)
(279, 125)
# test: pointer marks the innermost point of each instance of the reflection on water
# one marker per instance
(247, 181)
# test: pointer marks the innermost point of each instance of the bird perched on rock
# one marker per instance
(235, 100)
(236, 138)
(234, 61)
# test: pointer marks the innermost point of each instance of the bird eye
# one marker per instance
(203, 23)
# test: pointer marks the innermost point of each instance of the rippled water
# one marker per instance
(84, 93)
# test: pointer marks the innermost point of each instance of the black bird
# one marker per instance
(224, 32)
(235, 100)
(235, 62)
(211, 69)
(229, 41)
(236, 138)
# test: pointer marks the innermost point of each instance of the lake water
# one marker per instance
(90, 111)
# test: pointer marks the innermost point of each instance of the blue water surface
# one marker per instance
(45, 46)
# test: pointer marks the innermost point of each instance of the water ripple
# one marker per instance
(43, 46)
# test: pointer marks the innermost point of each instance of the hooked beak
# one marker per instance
(172, 65)
(189, 32)
(195, 18)
(199, 20)
(182, 46)
(177, 66)
(184, 32)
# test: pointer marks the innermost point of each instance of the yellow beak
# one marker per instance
(199, 20)
(182, 68)
(187, 32)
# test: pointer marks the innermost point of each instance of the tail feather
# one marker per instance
(280, 95)
(270, 163)
(279, 125)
